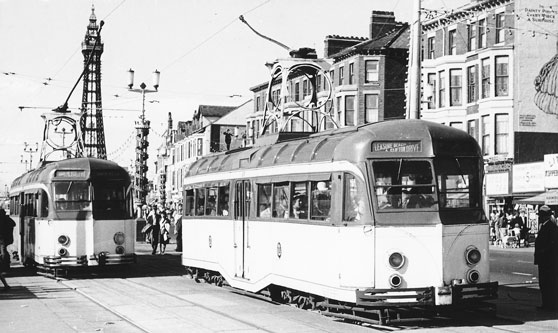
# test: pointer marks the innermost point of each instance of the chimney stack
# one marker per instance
(381, 22)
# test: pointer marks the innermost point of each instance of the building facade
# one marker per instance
(205, 134)
(484, 70)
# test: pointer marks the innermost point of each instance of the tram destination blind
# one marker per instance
(397, 146)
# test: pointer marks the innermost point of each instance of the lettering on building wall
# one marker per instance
(542, 14)
(527, 120)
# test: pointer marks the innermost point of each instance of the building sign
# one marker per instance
(551, 171)
(497, 184)
(535, 39)
(528, 177)
(551, 198)
(397, 146)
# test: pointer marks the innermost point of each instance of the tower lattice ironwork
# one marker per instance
(91, 122)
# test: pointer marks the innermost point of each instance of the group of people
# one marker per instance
(157, 230)
(509, 228)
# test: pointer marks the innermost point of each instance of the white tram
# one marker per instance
(74, 212)
(386, 215)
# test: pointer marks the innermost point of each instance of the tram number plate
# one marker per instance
(397, 146)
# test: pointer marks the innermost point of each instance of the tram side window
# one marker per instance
(211, 202)
(403, 184)
(320, 200)
(200, 201)
(354, 198)
(223, 200)
(264, 200)
(281, 200)
(71, 195)
(189, 203)
(458, 182)
(299, 200)
(43, 205)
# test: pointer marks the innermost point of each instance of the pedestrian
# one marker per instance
(6, 238)
(228, 135)
(154, 219)
(178, 228)
(164, 235)
(546, 258)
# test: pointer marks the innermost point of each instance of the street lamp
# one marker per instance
(142, 129)
(29, 150)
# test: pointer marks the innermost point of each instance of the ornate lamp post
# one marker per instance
(142, 129)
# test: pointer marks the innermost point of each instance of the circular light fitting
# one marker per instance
(473, 276)
(395, 280)
(63, 240)
(119, 238)
(62, 252)
(396, 260)
(119, 250)
(472, 256)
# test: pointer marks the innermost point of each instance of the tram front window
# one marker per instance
(458, 182)
(71, 196)
(404, 184)
(109, 201)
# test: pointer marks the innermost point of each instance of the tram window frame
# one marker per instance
(466, 172)
(43, 204)
(71, 203)
(189, 202)
(265, 200)
(299, 200)
(109, 200)
(281, 200)
(320, 200)
(223, 200)
(354, 198)
(211, 201)
(199, 207)
(410, 190)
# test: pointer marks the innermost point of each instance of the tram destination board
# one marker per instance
(397, 146)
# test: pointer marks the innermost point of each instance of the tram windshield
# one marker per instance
(404, 184)
(109, 201)
(458, 182)
(71, 195)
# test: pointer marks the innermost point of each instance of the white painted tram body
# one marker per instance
(72, 213)
(384, 215)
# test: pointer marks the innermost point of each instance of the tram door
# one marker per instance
(242, 198)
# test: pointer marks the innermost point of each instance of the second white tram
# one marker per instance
(383, 216)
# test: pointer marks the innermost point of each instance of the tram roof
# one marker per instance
(352, 144)
(92, 168)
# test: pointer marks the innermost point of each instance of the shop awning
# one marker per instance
(546, 198)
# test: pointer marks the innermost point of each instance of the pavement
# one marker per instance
(39, 304)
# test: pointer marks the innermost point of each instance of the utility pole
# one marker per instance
(29, 150)
(414, 73)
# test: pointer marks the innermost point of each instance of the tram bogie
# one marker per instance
(385, 216)
(74, 213)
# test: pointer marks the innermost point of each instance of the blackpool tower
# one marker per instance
(91, 123)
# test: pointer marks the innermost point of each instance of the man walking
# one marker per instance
(546, 257)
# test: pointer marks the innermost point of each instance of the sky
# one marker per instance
(205, 54)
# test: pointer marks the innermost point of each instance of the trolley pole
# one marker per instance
(142, 129)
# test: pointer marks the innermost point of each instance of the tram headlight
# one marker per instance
(64, 240)
(119, 250)
(395, 280)
(396, 260)
(473, 276)
(472, 255)
(119, 238)
(63, 252)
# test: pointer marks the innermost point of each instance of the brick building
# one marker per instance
(367, 76)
